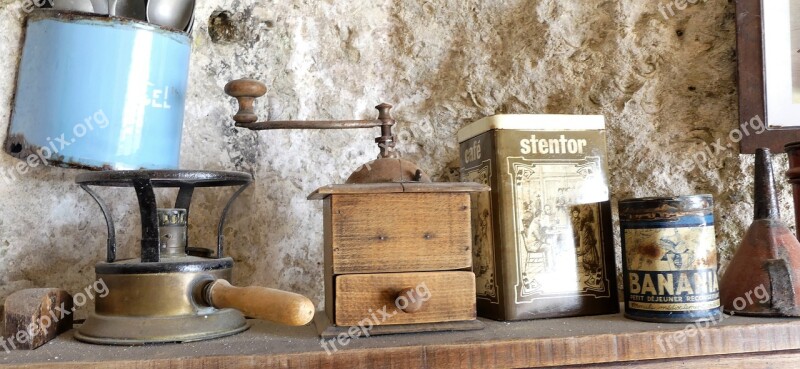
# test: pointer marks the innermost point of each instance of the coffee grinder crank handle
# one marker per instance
(247, 90)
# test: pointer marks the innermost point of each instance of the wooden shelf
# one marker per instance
(609, 341)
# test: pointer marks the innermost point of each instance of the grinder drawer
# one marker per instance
(380, 299)
(399, 232)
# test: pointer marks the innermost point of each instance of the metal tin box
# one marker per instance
(669, 264)
(99, 92)
(543, 243)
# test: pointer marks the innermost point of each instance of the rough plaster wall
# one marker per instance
(666, 86)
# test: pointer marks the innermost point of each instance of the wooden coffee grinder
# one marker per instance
(398, 248)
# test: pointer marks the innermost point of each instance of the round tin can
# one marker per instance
(99, 92)
(669, 264)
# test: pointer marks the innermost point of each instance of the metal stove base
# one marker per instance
(129, 331)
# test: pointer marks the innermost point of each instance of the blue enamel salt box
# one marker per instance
(99, 92)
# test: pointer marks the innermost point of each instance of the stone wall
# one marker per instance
(666, 84)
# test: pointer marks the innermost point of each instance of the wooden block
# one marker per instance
(400, 232)
(447, 296)
(35, 316)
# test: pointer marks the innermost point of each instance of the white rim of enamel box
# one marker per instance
(532, 122)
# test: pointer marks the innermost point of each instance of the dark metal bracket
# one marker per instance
(144, 184)
(149, 217)
(224, 216)
(111, 247)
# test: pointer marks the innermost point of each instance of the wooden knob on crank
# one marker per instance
(408, 300)
(245, 91)
(261, 303)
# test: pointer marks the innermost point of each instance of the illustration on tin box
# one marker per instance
(558, 233)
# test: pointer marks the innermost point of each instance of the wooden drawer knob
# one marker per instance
(408, 300)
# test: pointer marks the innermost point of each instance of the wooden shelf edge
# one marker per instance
(608, 350)
(615, 348)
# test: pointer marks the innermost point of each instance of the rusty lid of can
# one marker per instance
(665, 208)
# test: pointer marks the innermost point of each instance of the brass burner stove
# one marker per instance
(173, 292)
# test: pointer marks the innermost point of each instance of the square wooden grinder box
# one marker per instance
(398, 257)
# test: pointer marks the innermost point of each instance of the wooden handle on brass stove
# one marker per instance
(261, 303)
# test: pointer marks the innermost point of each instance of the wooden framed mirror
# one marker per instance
(769, 93)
